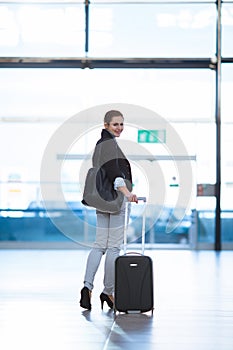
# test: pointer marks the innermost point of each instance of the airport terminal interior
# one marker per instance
(168, 67)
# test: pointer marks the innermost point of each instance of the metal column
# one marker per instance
(218, 130)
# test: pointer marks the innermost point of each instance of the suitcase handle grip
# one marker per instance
(142, 199)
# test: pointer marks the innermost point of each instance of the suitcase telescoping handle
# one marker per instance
(143, 225)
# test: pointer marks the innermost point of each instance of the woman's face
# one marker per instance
(115, 126)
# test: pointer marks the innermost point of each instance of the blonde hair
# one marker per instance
(110, 114)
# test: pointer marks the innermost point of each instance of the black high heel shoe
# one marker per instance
(85, 300)
(104, 297)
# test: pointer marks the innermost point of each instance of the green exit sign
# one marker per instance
(152, 136)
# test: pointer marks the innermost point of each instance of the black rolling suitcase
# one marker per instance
(134, 277)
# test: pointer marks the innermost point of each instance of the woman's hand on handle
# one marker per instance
(132, 197)
(129, 195)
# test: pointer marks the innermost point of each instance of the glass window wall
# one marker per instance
(227, 29)
(167, 31)
(42, 29)
(226, 155)
(34, 103)
(44, 99)
(178, 95)
(57, 29)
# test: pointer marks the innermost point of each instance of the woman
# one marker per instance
(110, 227)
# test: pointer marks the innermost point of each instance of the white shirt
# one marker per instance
(119, 182)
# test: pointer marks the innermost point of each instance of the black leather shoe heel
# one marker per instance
(85, 300)
(103, 298)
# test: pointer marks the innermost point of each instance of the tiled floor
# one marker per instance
(39, 304)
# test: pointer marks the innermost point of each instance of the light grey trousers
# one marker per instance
(109, 238)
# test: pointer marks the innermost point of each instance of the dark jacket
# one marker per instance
(108, 154)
